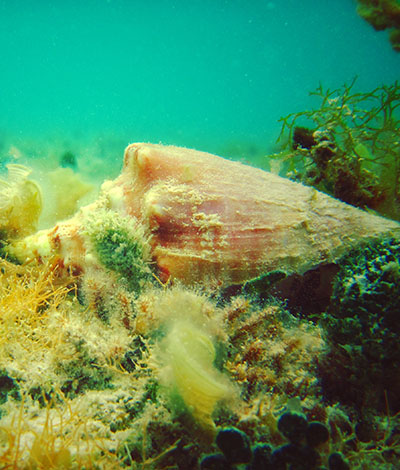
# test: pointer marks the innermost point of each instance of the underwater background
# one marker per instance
(162, 307)
(212, 74)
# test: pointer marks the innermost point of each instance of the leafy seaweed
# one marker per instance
(349, 147)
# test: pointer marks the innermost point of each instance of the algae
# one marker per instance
(127, 372)
(348, 147)
(381, 15)
(121, 246)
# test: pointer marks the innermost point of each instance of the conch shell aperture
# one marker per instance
(208, 218)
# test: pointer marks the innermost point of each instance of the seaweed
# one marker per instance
(348, 147)
(27, 295)
(381, 15)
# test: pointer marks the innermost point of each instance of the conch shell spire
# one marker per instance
(209, 218)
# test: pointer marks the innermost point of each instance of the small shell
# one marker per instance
(20, 202)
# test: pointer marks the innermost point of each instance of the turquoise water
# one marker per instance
(210, 74)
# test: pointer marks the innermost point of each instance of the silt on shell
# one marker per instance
(211, 218)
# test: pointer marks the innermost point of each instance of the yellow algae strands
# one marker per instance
(190, 353)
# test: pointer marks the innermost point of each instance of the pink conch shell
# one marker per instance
(209, 216)
(212, 218)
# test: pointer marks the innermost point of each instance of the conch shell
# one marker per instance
(208, 218)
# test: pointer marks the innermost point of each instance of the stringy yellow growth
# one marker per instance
(27, 296)
(58, 436)
(55, 438)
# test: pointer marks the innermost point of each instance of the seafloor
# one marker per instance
(106, 371)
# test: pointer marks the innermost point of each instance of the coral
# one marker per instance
(363, 328)
(382, 14)
(349, 148)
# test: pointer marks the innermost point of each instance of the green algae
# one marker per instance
(348, 147)
(121, 247)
